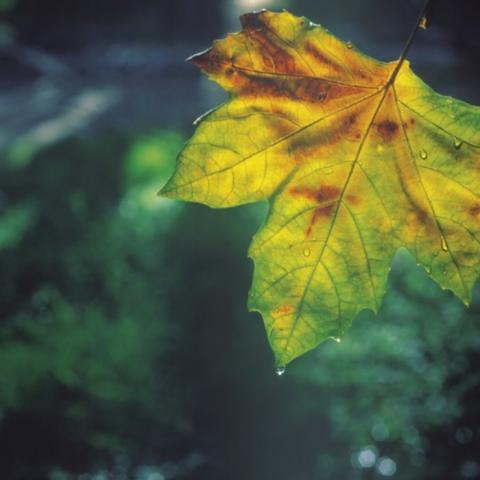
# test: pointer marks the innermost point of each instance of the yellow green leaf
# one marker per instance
(357, 158)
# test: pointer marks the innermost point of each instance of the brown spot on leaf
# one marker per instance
(421, 216)
(474, 210)
(282, 310)
(351, 119)
(409, 123)
(387, 129)
(353, 199)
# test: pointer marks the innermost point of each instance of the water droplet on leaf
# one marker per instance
(307, 252)
(444, 244)
(349, 44)
(423, 23)
(337, 339)
(280, 370)
(423, 154)
(457, 143)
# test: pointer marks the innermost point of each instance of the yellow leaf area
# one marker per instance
(357, 158)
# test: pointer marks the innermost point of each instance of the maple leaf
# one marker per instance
(357, 158)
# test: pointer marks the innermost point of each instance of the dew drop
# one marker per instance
(428, 269)
(349, 45)
(423, 154)
(457, 143)
(444, 244)
(423, 23)
(337, 339)
(307, 252)
(280, 370)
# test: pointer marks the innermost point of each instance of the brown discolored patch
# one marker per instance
(305, 144)
(409, 123)
(418, 220)
(259, 85)
(281, 127)
(340, 91)
(353, 199)
(474, 210)
(317, 214)
(362, 74)
(309, 89)
(326, 196)
(321, 58)
(282, 310)
(267, 61)
(350, 120)
(270, 47)
(323, 194)
(388, 129)
(421, 215)
(208, 61)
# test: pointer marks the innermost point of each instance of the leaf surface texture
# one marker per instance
(356, 157)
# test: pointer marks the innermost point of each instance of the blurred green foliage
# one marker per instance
(83, 333)
(7, 4)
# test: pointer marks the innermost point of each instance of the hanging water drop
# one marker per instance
(307, 252)
(423, 154)
(444, 244)
(457, 143)
(337, 339)
(280, 370)
(349, 44)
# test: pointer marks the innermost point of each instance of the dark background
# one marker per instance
(126, 349)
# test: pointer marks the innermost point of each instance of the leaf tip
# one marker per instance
(200, 59)
(166, 191)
